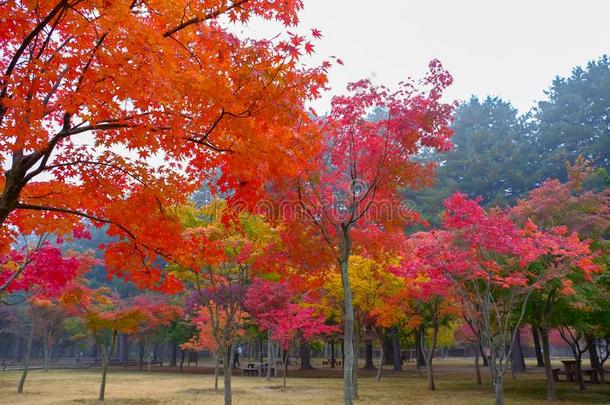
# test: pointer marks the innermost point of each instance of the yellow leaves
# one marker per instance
(373, 289)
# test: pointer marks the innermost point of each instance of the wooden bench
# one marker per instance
(592, 374)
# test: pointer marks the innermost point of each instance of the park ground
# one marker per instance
(455, 386)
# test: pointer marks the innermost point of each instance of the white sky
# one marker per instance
(511, 49)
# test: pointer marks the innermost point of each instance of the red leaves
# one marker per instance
(316, 33)
(272, 306)
(44, 271)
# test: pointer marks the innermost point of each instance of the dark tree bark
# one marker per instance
(140, 355)
(173, 362)
(551, 391)
(396, 360)
(333, 359)
(388, 353)
(305, 355)
(593, 356)
(123, 347)
(537, 346)
(182, 355)
(517, 360)
(419, 355)
(368, 355)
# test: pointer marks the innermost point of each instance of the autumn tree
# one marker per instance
(432, 304)
(115, 112)
(39, 272)
(354, 180)
(222, 250)
(105, 315)
(495, 267)
(581, 209)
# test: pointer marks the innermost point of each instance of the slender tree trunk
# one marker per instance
(386, 345)
(355, 370)
(430, 356)
(593, 356)
(498, 386)
(477, 366)
(149, 360)
(517, 360)
(368, 355)
(396, 358)
(537, 346)
(123, 347)
(26, 360)
(333, 359)
(141, 355)
(227, 370)
(285, 364)
(182, 355)
(579, 379)
(46, 352)
(380, 368)
(216, 370)
(485, 358)
(269, 354)
(348, 332)
(173, 362)
(551, 391)
(105, 360)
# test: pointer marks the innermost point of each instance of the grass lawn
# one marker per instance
(455, 386)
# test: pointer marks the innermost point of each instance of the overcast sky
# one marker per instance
(511, 49)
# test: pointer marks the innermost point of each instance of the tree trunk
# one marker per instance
(124, 347)
(285, 364)
(216, 370)
(593, 356)
(305, 355)
(141, 355)
(498, 387)
(477, 366)
(26, 360)
(182, 354)
(517, 360)
(420, 361)
(173, 362)
(551, 391)
(396, 358)
(227, 370)
(537, 347)
(333, 359)
(579, 379)
(348, 332)
(46, 352)
(380, 368)
(430, 357)
(355, 370)
(105, 360)
(485, 358)
(270, 354)
(368, 355)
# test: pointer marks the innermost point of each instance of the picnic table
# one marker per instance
(328, 362)
(569, 370)
(258, 369)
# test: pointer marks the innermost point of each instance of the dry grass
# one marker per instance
(455, 387)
